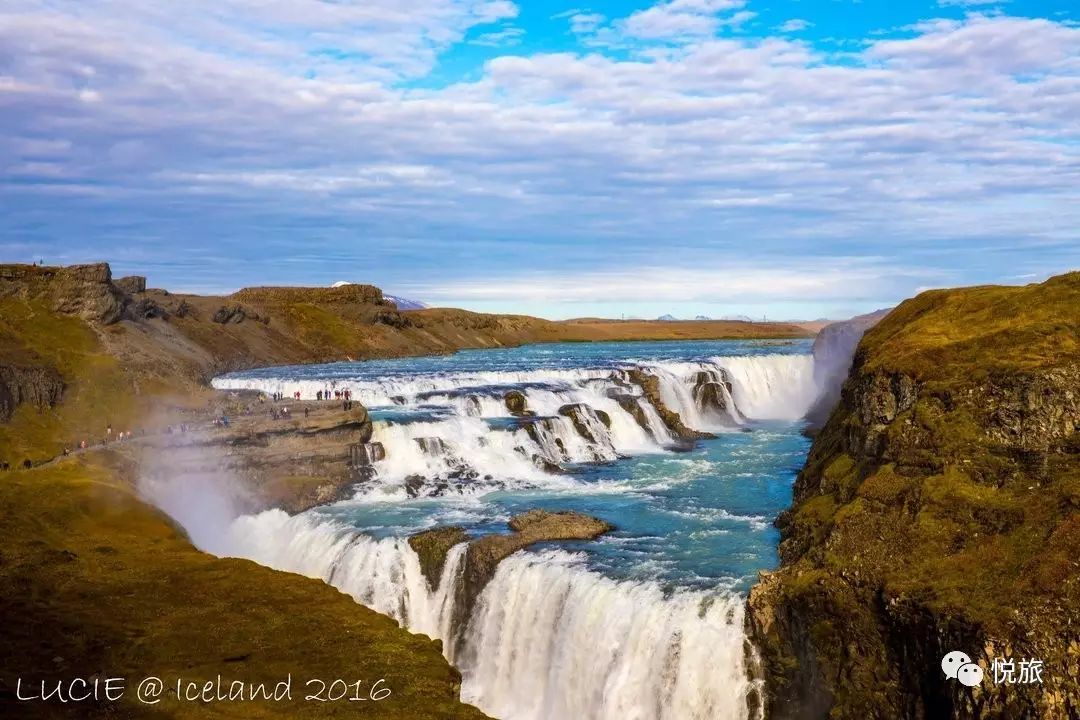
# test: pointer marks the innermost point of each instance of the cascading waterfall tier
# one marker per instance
(454, 433)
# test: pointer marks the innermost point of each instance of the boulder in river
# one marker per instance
(516, 402)
(432, 546)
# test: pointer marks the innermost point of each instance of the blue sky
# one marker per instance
(719, 157)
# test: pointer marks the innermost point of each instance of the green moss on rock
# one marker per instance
(432, 546)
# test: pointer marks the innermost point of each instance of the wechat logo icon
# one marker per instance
(958, 666)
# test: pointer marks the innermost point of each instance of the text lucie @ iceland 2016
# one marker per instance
(151, 689)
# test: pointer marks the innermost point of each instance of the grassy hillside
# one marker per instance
(946, 335)
(95, 582)
(97, 388)
(939, 510)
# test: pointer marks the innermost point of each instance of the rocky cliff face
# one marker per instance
(939, 510)
(315, 456)
(83, 290)
(37, 385)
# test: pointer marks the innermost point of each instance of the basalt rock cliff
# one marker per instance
(939, 510)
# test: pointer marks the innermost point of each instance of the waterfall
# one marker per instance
(444, 598)
(771, 387)
(657, 428)
(382, 574)
(548, 637)
(482, 448)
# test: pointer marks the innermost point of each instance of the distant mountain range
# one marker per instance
(705, 318)
(405, 303)
(400, 302)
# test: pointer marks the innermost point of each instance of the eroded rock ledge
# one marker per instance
(35, 384)
(293, 463)
(650, 388)
(484, 554)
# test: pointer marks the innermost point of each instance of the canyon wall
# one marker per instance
(939, 510)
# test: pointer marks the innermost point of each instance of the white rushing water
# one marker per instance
(772, 387)
(381, 574)
(548, 638)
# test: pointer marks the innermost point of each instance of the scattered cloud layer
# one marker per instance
(253, 141)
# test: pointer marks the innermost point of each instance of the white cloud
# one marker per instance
(585, 22)
(986, 46)
(681, 19)
(350, 38)
(730, 280)
(970, 3)
(964, 131)
(500, 38)
(795, 25)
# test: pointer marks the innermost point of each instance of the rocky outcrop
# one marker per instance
(483, 555)
(86, 291)
(650, 388)
(34, 384)
(631, 404)
(539, 429)
(146, 308)
(579, 416)
(433, 446)
(342, 295)
(534, 526)
(131, 284)
(432, 546)
(291, 463)
(365, 454)
(712, 393)
(938, 510)
(236, 314)
(392, 318)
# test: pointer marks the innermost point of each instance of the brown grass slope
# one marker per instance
(939, 510)
(95, 583)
